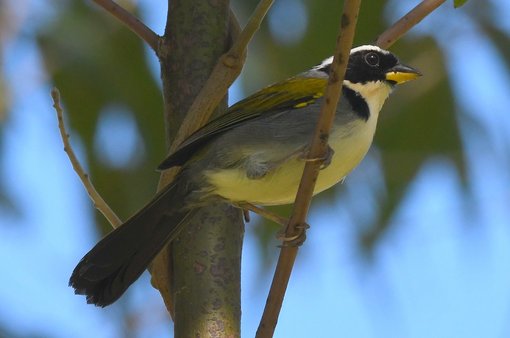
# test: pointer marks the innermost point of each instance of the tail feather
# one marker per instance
(107, 270)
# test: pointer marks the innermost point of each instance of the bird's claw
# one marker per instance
(294, 240)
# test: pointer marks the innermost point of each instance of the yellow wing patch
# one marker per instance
(296, 92)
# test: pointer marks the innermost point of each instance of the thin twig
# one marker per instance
(98, 201)
(239, 47)
(408, 21)
(225, 71)
(132, 22)
(318, 149)
(234, 28)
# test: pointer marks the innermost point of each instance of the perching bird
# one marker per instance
(254, 153)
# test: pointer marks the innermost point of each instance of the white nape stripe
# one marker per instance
(324, 63)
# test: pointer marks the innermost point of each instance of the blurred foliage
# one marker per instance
(459, 3)
(7, 31)
(96, 63)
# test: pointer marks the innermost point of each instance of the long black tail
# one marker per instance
(107, 270)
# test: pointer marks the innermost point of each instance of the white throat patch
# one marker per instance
(374, 93)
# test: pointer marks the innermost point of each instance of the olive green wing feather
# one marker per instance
(291, 94)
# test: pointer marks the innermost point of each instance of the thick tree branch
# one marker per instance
(224, 73)
(318, 148)
(408, 21)
(98, 201)
(132, 22)
(190, 293)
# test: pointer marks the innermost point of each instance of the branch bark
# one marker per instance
(198, 274)
(318, 149)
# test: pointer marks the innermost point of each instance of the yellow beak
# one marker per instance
(402, 73)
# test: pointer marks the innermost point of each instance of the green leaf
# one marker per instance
(459, 3)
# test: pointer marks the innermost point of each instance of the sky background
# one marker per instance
(442, 271)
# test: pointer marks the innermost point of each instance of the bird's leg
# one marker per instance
(246, 216)
(294, 240)
(326, 159)
(263, 212)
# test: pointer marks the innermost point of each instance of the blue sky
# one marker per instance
(442, 272)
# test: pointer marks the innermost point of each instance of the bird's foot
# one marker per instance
(325, 160)
(293, 240)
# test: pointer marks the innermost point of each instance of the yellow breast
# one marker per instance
(280, 185)
(349, 142)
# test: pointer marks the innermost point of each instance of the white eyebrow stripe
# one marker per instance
(354, 50)
(369, 47)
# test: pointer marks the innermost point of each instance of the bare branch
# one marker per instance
(318, 149)
(227, 69)
(408, 21)
(132, 22)
(98, 201)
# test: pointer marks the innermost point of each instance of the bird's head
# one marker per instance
(369, 63)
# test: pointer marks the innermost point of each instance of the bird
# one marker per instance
(254, 153)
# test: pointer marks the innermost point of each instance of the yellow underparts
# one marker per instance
(280, 185)
(349, 142)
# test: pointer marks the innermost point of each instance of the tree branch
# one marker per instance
(132, 22)
(226, 70)
(98, 201)
(318, 148)
(168, 268)
(408, 21)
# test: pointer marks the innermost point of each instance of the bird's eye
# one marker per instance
(372, 59)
